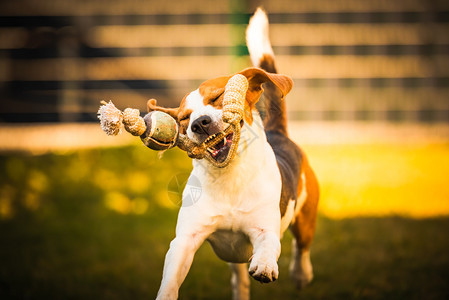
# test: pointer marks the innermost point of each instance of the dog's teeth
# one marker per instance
(210, 150)
(224, 141)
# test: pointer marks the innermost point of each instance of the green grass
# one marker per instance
(96, 224)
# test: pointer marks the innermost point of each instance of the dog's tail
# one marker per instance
(272, 105)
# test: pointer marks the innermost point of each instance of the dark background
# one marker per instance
(350, 60)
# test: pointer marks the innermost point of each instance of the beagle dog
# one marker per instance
(244, 208)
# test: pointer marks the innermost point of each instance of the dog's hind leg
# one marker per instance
(303, 229)
(240, 281)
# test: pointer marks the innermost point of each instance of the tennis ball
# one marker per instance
(161, 132)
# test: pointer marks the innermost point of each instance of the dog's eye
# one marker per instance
(183, 118)
(216, 98)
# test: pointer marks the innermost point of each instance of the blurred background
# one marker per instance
(350, 60)
(83, 215)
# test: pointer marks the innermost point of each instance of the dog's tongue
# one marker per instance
(221, 150)
(219, 145)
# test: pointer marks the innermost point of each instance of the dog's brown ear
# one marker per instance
(256, 77)
(152, 105)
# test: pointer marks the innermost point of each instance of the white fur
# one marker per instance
(293, 206)
(257, 37)
(288, 216)
(303, 196)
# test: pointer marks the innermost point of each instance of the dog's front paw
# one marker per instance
(264, 269)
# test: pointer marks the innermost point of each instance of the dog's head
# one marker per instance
(200, 112)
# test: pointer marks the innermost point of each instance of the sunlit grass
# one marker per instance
(382, 179)
(355, 180)
(129, 179)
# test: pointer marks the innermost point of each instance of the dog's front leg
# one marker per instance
(267, 248)
(177, 263)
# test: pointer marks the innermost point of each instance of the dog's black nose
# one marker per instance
(201, 125)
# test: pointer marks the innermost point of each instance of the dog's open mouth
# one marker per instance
(220, 150)
(218, 145)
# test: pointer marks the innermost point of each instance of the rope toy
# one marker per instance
(159, 131)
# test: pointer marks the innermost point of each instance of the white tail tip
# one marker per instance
(257, 37)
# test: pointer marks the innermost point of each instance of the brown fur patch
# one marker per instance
(305, 222)
(183, 115)
(152, 105)
(212, 91)
(277, 85)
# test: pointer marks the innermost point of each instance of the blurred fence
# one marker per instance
(350, 59)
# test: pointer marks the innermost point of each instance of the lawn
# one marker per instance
(95, 224)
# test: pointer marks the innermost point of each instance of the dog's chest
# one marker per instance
(233, 215)
(230, 241)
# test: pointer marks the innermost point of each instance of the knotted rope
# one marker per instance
(112, 120)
